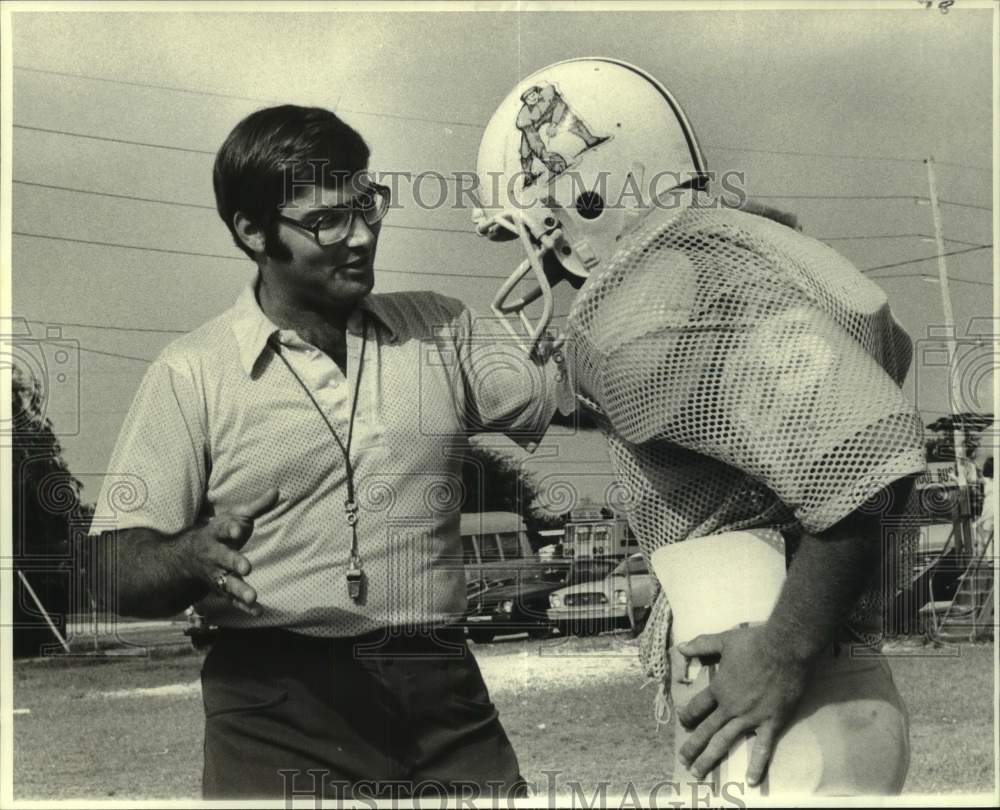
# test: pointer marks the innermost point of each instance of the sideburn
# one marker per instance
(274, 248)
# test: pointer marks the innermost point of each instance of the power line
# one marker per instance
(841, 156)
(237, 258)
(962, 166)
(893, 236)
(465, 231)
(917, 198)
(112, 195)
(913, 197)
(869, 158)
(141, 84)
(399, 116)
(965, 205)
(240, 98)
(107, 354)
(131, 247)
(925, 259)
(925, 275)
(111, 328)
(114, 140)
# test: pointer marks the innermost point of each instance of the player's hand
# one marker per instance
(755, 689)
(213, 549)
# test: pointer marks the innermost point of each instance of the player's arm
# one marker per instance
(504, 389)
(763, 670)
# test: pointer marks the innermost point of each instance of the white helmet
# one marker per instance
(569, 159)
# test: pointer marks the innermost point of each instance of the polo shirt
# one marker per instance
(219, 418)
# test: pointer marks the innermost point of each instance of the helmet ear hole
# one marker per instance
(590, 205)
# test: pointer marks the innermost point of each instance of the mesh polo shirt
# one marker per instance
(219, 418)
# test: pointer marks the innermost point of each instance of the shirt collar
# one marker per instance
(376, 305)
(253, 329)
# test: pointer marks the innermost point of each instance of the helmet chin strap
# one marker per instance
(535, 249)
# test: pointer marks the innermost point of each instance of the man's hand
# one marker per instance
(213, 549)
(755, 688)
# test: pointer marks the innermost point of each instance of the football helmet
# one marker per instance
(577, 153)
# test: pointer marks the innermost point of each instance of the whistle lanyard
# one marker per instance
(355, 572)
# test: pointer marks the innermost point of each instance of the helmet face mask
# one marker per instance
(575, 155)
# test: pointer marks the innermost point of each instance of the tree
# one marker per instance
(46, 510)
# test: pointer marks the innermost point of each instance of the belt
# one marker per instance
(398, 640)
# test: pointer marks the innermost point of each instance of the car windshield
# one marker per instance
(555, 574)
(635, 565)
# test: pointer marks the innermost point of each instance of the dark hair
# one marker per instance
(269, 149)
(988, 468)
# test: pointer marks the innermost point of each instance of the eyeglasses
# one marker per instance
(336, 222)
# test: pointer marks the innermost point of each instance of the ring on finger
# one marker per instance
(222, 582)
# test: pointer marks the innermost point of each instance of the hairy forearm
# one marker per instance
(146, 573)
(824, 582)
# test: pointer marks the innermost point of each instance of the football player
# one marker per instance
(747, 379)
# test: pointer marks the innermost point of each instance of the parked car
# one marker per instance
(592, 607)
(520, 604)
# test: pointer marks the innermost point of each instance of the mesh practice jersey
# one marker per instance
(745, 376)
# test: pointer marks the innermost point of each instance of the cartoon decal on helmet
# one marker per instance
(543, 119)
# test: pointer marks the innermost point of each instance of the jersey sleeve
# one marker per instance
(156, 478)
(505, 390)
(819, 419)
(794, 402)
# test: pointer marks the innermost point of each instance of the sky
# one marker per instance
(824, 111)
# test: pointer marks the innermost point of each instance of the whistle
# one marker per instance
(355, 577)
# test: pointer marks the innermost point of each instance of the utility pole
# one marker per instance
(963, 518)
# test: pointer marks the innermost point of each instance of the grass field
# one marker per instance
(86, 735)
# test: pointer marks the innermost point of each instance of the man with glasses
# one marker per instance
(292, 467)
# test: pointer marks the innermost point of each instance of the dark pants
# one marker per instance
(387, 715)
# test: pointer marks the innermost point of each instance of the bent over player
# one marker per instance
(747, 379)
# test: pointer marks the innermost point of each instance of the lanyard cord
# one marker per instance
(350, 505)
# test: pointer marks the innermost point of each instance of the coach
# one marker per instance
(292, 467)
